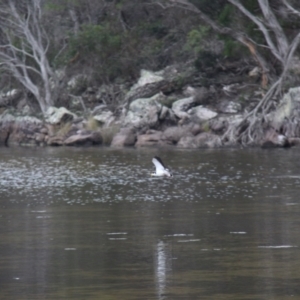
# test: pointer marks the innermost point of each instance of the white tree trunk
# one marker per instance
(22, 22)
(275, 40)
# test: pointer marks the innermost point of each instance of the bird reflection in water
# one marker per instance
(162, 267)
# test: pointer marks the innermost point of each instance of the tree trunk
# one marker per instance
(22, 22)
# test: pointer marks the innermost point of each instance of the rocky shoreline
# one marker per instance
(165, 108)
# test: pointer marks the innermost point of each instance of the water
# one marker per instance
(92, 224)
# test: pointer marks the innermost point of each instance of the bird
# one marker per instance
(160, 169)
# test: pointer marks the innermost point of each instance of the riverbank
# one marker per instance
(166, 108)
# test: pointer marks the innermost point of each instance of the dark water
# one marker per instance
(92, 224)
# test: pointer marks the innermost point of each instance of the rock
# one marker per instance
(6, 122)
(188, 142)
(196, 129)
(274, 140)
(125, 138)
(147, 77)
(201, 95)
(151, 138)
(163, 113)
(209, 140)
(4, 136)
(218, 125)
(167, 116)
(20, 130)
(190, 91)
(229, 107)
(144, 112)
(44, 130)
(294, 141)
(54, 141)
(202, 140)
(180, 107)
(39, 137)
(148, 85)
(84, 139)
(25, 136)
(167, 81)
(105, 118)
(173, 134)
(200, 114)
(60, 115)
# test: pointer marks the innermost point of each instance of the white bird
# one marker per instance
(160, 169)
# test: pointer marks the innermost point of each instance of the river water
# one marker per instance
(91, 223)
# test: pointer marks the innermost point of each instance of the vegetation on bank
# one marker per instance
(109, 42)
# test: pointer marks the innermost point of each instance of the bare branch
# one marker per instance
(24, 51)
(261, 26)
(282, 42)
(239, 36)
(291, 8)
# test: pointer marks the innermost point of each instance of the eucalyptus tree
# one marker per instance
(23, 49)
(273, 43)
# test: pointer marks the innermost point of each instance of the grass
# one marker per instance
(63, 129)
(92, 124)
(108, 133)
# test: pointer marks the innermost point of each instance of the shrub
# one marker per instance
(195, 39)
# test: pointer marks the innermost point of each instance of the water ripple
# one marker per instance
(82, 179)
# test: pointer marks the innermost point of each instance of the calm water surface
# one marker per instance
(92, 224)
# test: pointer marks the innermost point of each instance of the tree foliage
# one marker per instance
(272, 39)
(113, 40)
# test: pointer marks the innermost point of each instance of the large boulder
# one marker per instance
(125, 138)
(151, 138)
(57, 116)
(168, 80)
(144, 112)
(147, 77)
(55, 141)
(84, 138)
(148, 85)
(181, 106)
(27, 130)
(173, 134)
(21, 130)
(200, 114)
(6, 122)
(104, 116)
(202, 140)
